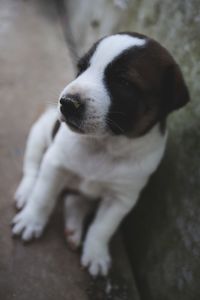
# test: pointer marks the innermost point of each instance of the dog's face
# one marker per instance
(126, 84)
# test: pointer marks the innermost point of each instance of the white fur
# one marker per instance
(71, 162)
(38, 141)
(113, 168)
(111, 47)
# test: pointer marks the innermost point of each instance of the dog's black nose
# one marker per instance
(72, 107)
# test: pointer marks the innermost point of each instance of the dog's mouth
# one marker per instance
(73, 125)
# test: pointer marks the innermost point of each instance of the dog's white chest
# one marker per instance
(102, 166)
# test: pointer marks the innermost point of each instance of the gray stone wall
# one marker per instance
(163, 231)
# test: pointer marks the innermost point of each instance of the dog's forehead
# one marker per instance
(111, 47)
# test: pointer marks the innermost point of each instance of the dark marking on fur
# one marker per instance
(145, 84)
(55, 128)
(163, 126)
(84, 61)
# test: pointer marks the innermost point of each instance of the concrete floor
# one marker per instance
(34, 67)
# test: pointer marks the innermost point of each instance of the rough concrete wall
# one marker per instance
(164, 243)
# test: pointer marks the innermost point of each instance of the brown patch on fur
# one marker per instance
(153, 87)
(145, 123)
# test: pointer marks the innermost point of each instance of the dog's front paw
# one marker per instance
(28, 224)
(23, 191)
(96, 258)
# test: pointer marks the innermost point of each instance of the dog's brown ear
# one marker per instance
(175, 91)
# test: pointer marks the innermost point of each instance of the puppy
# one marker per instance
(111, 139)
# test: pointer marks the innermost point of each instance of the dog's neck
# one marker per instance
(121, 145)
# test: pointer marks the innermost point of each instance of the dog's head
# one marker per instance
(126, 84)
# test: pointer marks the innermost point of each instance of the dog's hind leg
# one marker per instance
(38, 141)
(77, 208)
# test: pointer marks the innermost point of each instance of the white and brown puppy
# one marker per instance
(112, 139)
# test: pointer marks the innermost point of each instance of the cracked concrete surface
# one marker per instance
(34, 67)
